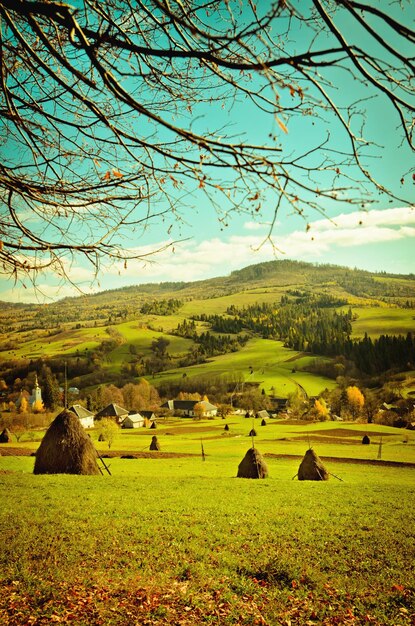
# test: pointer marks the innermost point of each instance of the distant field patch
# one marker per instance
(263, 361)
(376, 321)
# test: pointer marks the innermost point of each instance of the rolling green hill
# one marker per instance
(114, 330)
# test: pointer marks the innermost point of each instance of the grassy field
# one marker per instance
(261, 361)
(376, 321)
(181, 541)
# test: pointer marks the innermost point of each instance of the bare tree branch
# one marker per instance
(115, 115)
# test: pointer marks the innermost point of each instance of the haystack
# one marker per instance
(366, 440)
(252, 465)
(312, 468)
(226, 427)
(263, 422)
(66, 448)
(101, 437)
(154, 445)
(252, 433)
(5, 436)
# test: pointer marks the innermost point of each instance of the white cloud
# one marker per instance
(43, 292)
(402, 216)
(192, 260)
(255, 225)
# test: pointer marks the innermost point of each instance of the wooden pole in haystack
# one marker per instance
(103, 463)
(380, 449)
(65, 391)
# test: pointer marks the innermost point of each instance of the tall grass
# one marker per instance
(182, 541)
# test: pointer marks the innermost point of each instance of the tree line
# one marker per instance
(302, 326)
(168, 306)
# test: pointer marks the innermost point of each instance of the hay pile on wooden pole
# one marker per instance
(252, 465)
(154, 445)
(66, 448)
(226, 427)
(312, 468)
(366, 440)
(5, 436)
(252, 433)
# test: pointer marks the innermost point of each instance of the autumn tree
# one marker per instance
(19, 430)
(107, 110)
(24, 405)
(297, 404)
(149, 395)
(37, 406)
(108, 429)
(198, 411)
(355, 401)
(371, 405)
(141, 396)
(110, 394)
(252, 398)
(321, 410)
(159, 347)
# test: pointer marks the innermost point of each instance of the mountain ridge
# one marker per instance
(260, 272)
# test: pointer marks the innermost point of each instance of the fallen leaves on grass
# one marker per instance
(179, 605)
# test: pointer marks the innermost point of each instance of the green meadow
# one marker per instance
(376, 321)
(170, 538)
(275, 369)
(262, 361)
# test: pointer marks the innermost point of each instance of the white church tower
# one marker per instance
(36, 394)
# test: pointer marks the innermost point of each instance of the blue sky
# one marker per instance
(377, 240)
(377, 237)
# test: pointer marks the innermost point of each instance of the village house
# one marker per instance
(114, 411)
(150, 419)
(263, 415)
(133, 420)
(191, 408)
(85, 417)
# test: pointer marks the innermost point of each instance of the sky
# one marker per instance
(378, 237)
(376, 240)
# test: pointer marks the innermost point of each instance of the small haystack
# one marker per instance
(101, 437)
(366, 440)
(66, 448)
(312, 468)
(263, 422)
(5, 436)
(252, 465)
(226, 427)
(154, 445)
(252, 433)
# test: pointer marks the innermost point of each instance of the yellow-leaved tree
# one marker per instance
(37, 406)
(321, 410)
(355, 401)
(24, 405)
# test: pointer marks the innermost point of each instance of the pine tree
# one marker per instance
(51, 392)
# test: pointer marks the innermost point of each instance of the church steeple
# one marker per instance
(36, 396)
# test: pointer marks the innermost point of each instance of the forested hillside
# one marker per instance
(276, 326)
